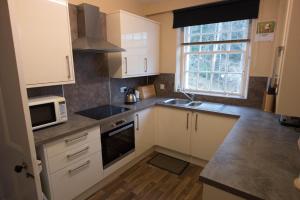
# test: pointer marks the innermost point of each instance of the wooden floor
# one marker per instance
(144, 181)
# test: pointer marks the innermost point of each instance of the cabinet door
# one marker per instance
(174, 128)
(45, 42)
(145, 130)
(77, 178)
(134, 40)
(209, 132)
(152, 59)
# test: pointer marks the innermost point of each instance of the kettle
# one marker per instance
(130, 97)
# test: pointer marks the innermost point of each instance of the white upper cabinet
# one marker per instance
(140, 38)
(44, 41)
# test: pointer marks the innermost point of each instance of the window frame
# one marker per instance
(245, 72)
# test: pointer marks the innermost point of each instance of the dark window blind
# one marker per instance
(229, 10)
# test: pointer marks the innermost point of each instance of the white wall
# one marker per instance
(262, 52)
(108, 6)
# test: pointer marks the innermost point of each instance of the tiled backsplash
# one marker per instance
(257, 86)
(94, 87)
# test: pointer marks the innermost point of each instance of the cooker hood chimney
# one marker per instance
(89, 32)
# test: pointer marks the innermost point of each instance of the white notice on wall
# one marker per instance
(264, 37)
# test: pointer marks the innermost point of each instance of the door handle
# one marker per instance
(68, 65)
(137, 122)
(187, 121)
(126, 69)
(196, 122)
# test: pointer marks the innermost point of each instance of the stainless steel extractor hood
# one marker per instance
(89, 32)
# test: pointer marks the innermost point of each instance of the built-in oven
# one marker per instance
(117, 139)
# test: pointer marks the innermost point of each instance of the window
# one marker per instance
(215, 59)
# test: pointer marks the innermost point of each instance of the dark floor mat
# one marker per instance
(169, 163)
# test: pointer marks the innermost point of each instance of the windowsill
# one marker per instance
(214, 95)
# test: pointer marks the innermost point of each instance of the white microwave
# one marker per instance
(47, 111)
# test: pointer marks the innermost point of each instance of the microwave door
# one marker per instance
(42, 115)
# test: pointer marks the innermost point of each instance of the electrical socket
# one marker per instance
(123, 89)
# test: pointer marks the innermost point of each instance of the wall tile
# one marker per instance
(257, 86)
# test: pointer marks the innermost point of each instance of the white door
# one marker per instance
(45, 41)
(145, 130)
(134, 40)
(16, 138)
(209, 132)
(174, 128)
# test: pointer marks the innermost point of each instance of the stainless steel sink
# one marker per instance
(195, 104)
(177, 102)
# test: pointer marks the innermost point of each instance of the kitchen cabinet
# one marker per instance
(71, 165)
(174, 129)
(139, 36)
(197, 134)
(288, 97)
(44, 41)
(209, 132)
(145, 130)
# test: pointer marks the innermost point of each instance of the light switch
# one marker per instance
(162, 86)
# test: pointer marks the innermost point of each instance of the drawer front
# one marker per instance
(74, 155)
(72, 141)
(77, 178)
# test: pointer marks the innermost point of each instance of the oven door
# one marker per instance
(42, 115)
(117, 143)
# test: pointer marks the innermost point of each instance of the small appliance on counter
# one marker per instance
(47, 111)
(130, 97)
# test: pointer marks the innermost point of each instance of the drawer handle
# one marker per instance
(74, 155)
(75, 139)
(84, 165)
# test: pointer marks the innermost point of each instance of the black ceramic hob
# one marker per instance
(102, 112)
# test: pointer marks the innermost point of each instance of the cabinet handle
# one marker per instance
(72, 156)
(126, 69)
(72, 140)
(137, 122)
(68, 65)
(187, 121)
(72, 171)
(196, 122)
(146, 64)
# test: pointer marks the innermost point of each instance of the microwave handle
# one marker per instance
(120, 130)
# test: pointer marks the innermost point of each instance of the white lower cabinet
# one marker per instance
(173, 129)
(209, 132)
(77, 178)
(71, 165)
(193, 133)
(145, 130)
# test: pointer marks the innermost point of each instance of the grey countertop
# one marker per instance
(259, 158)
(77, 123)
